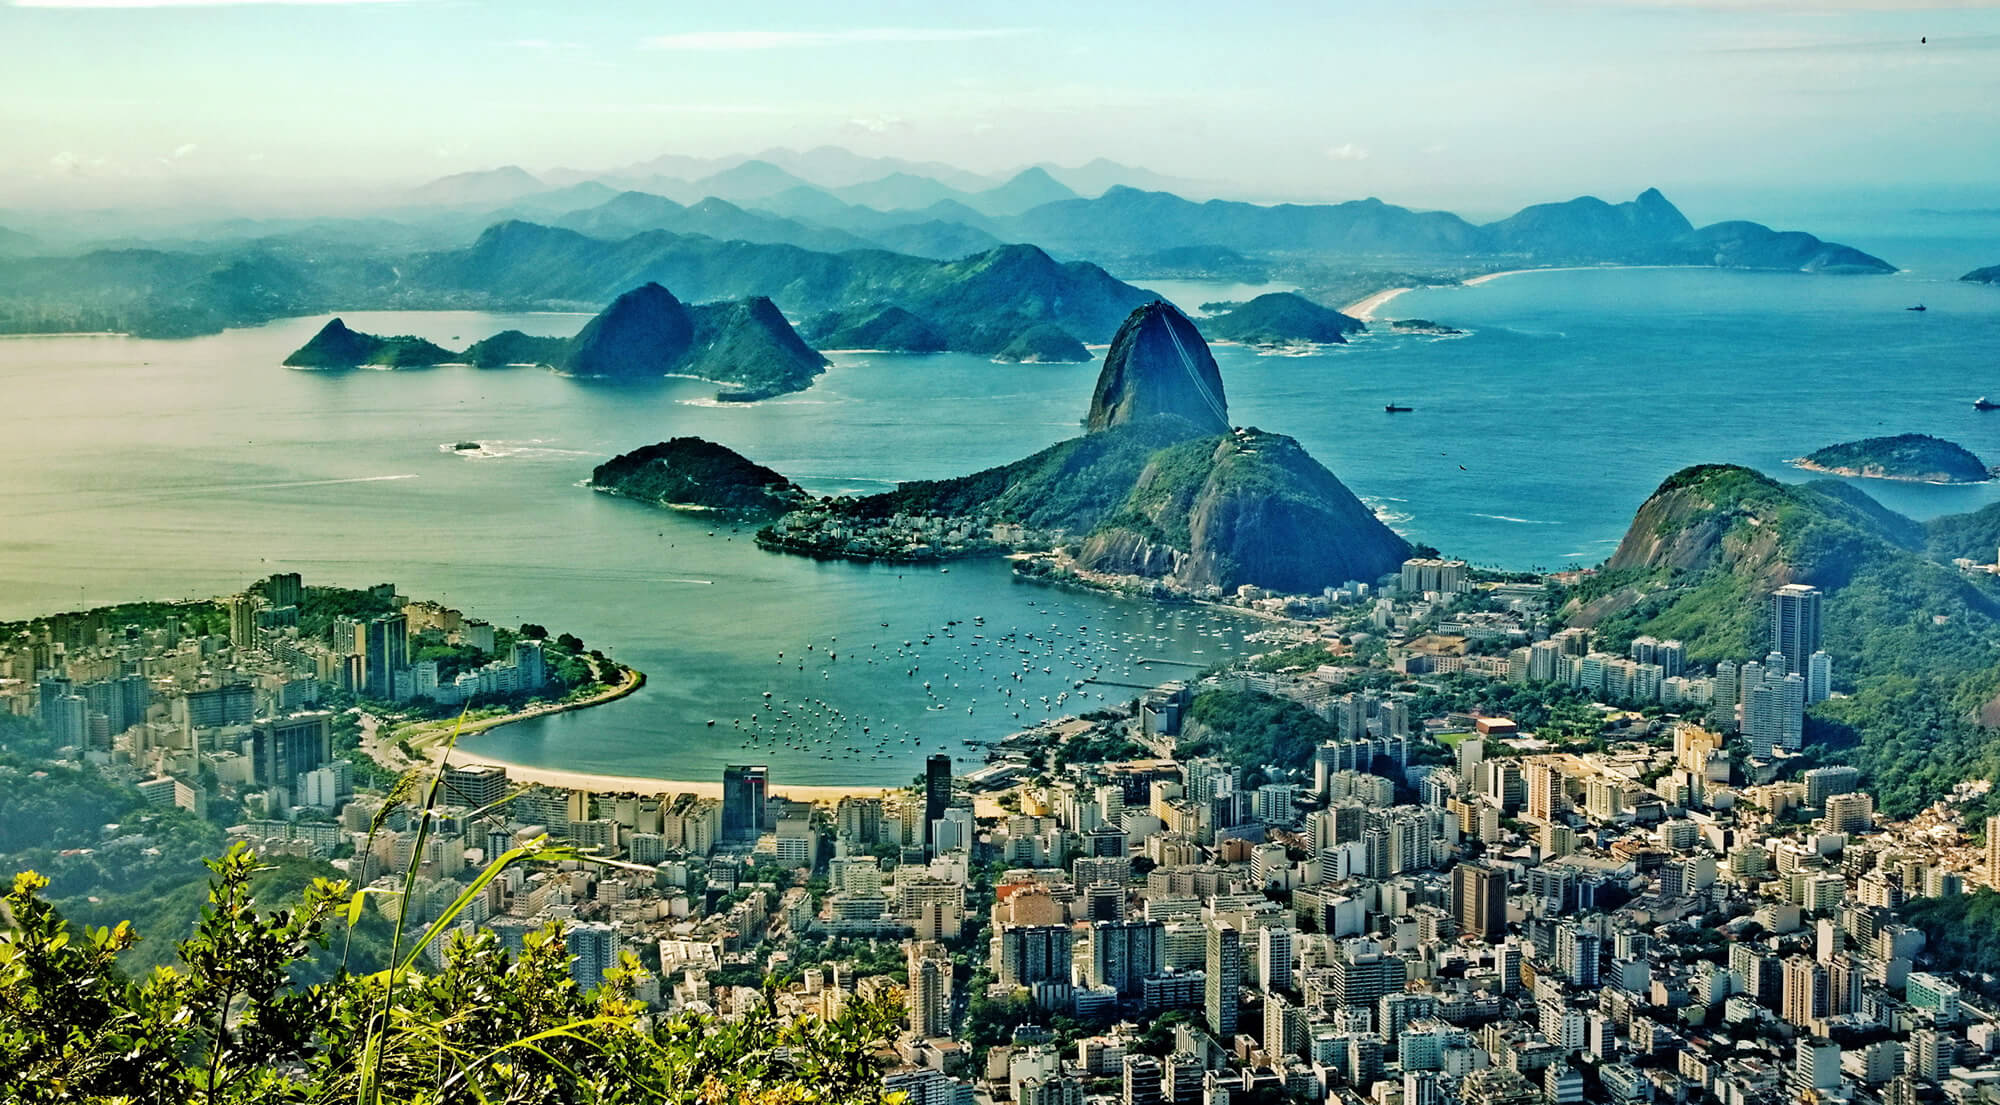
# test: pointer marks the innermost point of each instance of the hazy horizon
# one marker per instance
(1470, 106)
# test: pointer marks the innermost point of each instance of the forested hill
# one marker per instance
(1915, 643)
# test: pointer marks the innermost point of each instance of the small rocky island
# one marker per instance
(1044, 344)
(645, 333)
(1988, 275)
(1282, 319)
(336, 346)
(1916, 458)
(689, 473)
(1424, 326)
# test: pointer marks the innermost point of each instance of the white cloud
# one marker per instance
(1348, 151)
(878, 124)
(177, 3)
(184, 151)
(781, 40)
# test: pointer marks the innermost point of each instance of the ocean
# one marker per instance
(179, 468)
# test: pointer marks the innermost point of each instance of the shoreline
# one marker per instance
(599, 783)
(423, 735)
(1367, 306)
(1804, 465)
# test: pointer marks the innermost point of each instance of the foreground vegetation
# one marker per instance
(232, 1024)
(264, 1004)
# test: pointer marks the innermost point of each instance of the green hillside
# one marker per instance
(1914, 642)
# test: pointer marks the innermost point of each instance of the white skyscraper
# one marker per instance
(1819, 677)
(1274, 958)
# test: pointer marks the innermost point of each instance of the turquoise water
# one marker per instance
(159, 469)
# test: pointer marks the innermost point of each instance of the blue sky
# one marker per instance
(1472, 103)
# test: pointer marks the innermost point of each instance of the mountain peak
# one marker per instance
(644, 331)
(1159, 364)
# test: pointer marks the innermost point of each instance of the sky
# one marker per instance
(1477, 105)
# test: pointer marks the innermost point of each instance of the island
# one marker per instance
(1988, 275)
(1043, 344)
(689, 473)
(1424, 326)
(1282, 319)
(1915, 458)
(645, 333)
(337, 346)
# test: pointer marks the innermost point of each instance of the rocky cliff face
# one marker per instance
(1159, 364)
(645, 332)
(1248, 507)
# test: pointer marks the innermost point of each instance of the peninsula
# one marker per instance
(1915, 458)
(1161, 494)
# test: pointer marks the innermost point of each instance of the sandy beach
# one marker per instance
(616, 784)
(1365, 309)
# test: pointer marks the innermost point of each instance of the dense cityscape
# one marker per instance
(1646, 901)
(1032, 554)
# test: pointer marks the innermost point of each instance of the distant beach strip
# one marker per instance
(1367, 308)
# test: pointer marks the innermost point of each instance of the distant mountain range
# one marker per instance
(838, 264)
(1165, 234)
(881, 182)
(977, 304)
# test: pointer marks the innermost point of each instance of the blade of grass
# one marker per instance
(369, 1091)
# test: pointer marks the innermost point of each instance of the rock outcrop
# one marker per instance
(1247, 507)
(1159, 364)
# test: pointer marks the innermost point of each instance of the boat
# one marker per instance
(1984, 404)
(1392, 408)
(1918, 307)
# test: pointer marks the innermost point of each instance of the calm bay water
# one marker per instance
(159, 469)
